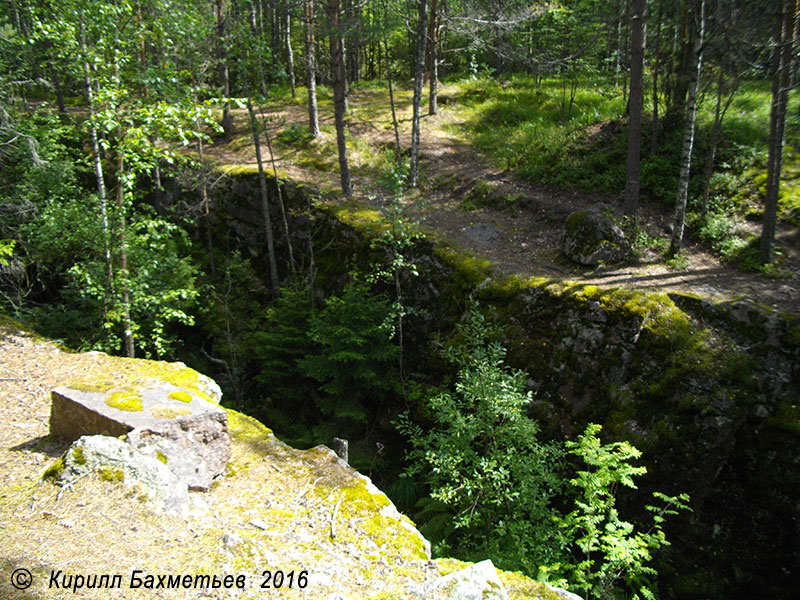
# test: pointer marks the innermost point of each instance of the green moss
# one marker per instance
(161, 411)
(54, 470)
(111, 474)
(366, 221)
(127, 401)
(181, 396)
(161, 456)
(93, 387)
(135, 374)
(474, 270)
(77, 455)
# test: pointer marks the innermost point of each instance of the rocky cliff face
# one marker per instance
(298, 523)
(709, 391)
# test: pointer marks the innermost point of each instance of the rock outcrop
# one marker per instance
(179, 425)
(114, 460)
(591, 237)
(476, 582)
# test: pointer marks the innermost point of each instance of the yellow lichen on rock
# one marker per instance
(127, 401)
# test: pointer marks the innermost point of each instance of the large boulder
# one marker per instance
(116, 461)
(178, 426)
(476, 582)
(592, 237)
(195, 448)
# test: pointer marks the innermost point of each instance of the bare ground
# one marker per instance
(522, 238)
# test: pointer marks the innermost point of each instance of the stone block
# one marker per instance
(177, 426)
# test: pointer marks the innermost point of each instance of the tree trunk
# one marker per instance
(635, 111)
(98, 167)
(688, 139)
(289, 52)
(273, 265)
(683, 74)
(397, 150)
(719, 115)
(227, 119)
(419, 73)
(655, 71)
(433, 35)
(127, 323)
(339, 91)
(781, 80)
(257, 33)
(311, 67)
(204, 199)
(292, 266)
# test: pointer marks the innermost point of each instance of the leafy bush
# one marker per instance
(495, 489)
(609, 553)
(482, 460)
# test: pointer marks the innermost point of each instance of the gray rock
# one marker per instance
(591, 237)
(114, 460)
(476, 582)
(563, 593)
(196, 448)
(177, 427)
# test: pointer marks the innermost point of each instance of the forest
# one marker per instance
(347, 212)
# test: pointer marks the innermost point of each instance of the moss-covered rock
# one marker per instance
(591, 237)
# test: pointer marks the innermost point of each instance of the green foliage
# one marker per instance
(610, 552)
(6, 252)
(282, 339)
(328, 368)
(495, 489)
(354, 350)
(482, 460)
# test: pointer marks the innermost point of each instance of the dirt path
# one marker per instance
(523, 237)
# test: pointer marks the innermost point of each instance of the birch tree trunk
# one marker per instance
(311, 67)
(419, 74)
(98, 167)
(433, 35)
(289, 53)
(676, 243)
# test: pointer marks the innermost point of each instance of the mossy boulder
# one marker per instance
(591, 237)
(475, 582)
(115, 461)
(160, 417)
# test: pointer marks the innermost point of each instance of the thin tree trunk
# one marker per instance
(787, 13)
(339, 92)
(433, 35)
(127, 323)
(655, 72)
(676, 242)
(281, 205)
(204, 199)
(311, 67)
(98, 168)
(419, 73)
(289, 52)
(635, 111)
(719, 115)
(257, 33)
(273, 265)
(397, 149)
(227, 119)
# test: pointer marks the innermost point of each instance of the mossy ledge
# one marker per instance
(696, 384)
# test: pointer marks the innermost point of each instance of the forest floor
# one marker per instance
(492, 212)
